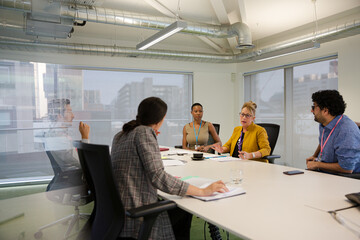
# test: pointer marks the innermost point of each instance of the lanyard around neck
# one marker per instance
(197, 135)
(241, 139)
(322, 136)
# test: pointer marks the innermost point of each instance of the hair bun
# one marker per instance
(254, 104)
(251, 106)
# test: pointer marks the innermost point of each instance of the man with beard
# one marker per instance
(339, 140)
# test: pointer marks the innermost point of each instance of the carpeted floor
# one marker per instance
(197, 231)
(197, 227)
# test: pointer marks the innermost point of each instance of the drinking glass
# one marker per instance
(236, 175)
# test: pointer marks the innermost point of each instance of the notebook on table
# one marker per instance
(204, 182)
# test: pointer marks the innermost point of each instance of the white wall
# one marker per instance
(215, 85)
(217, 92)
(349, 75)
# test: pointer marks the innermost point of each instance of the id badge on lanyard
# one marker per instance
(197, 135)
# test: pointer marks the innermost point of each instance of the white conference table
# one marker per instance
(275, 206)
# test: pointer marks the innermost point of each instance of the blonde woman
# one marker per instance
(248, 141)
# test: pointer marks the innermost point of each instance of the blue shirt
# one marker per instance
(343, 145)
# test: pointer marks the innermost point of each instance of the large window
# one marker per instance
(267, 91)
(105, 99)
(283, 96)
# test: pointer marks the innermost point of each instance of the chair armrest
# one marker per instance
(271, 158)
(350, 175)
(154, 208)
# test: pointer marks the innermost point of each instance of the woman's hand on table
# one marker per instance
(245, 155)
(218, 186)
(217, 148)
(203, 148)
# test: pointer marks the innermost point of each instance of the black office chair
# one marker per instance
(66, 188)
(348, 175)
(109, 213)
(273, 134)
(211, 140)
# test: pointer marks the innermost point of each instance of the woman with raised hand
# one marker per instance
(196, 133)
(139, 171)
(248, 141)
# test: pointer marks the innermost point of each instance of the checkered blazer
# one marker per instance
(139, 172)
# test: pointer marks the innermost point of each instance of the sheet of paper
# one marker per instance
(224, 159)
(204, 182)
(233, 191)
(172, 162)
(175, 152)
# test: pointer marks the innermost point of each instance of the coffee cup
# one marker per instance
(198, 155)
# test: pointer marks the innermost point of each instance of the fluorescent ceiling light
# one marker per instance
(159, 36)
(286, 51)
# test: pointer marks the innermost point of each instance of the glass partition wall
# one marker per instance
(283, 96)
(30, 99)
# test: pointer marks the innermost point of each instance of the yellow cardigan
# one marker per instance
(255, 139)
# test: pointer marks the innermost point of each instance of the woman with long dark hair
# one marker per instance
(139, 171)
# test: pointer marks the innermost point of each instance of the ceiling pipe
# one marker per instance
(243, 32)
(325, 36)
(328, 35)
(338, 32)
(123, 18)
(20, 44)
(23, 5)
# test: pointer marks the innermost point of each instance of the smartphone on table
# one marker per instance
(293, 172)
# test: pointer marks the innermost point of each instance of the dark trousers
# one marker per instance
(181, 223)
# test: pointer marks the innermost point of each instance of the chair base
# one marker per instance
(73, 218)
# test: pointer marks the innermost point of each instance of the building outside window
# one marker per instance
(283, 96)
(103, 98)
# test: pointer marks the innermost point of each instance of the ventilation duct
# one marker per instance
(338, 32)
(29, 45)
(59, 29)
(329, 35)
(244, 35)
(42, 18)
(115, 17)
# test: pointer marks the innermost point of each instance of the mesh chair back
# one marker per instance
(211, 139)
(56, 168)
(217, 129)
(67, 180)
(273, 133)
(109, 211)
